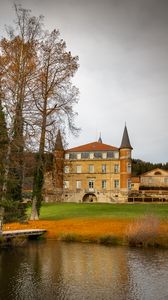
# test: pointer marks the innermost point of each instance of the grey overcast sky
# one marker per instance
(123, 76)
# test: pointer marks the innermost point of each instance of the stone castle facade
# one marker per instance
(94, 172)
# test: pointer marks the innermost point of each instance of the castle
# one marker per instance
(94, 172)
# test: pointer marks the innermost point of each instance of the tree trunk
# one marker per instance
(34, 213)
(39, 173)
(6, 172)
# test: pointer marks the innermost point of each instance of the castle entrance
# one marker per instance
(89, 198)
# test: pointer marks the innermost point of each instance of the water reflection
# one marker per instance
(148, 274)
(53, 270)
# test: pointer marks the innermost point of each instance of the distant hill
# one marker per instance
(140, 166)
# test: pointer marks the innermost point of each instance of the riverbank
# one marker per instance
(147, 231)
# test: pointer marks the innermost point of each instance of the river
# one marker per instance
(58, 270)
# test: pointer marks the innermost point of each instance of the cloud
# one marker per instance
(123, 55)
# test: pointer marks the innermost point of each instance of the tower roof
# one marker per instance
(58, 143)
(125, 143)
(100, 139)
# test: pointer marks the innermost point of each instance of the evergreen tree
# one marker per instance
(3, 146)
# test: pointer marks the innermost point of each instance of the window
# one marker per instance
(129, 184)
(166, 180)
(78, 184)
(72, 155)
(129, 167)
(110, 154)
(98, 154)
(66, 169)
(78, 169)
(128, 153)
(116, 168)
(84, 155)
(157, 173)
(66, 155)
(66, 184)
(150, 180)
(103, 184)
(116, 184)
(91, 184)
(91, 168)
(103, 168)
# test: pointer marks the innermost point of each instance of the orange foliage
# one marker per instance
(91, 228)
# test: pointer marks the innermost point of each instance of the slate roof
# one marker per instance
(58, 143)
(125, 143)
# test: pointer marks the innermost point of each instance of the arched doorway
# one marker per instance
(90, 197)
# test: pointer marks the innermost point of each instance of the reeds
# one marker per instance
(70, 237)
(143, 232)
(109, 240)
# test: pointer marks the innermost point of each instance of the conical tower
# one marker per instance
(58, 165)
(125, 143)
(100, 139)
(58, 142)
(125, 162)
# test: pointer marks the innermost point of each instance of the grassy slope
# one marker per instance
(121, 211)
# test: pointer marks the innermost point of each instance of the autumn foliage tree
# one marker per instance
(38, 96)
(17, 64)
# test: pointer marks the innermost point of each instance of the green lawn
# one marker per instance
(59, 211)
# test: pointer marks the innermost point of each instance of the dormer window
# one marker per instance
(110, 154)
(72, 155)
(98, 154)
(85, 155)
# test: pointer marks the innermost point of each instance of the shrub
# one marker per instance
(109, 240)
(143, 232)
(69, 237)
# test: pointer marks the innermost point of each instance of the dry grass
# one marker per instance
(81, 227)
(100, 230)
(147, 232)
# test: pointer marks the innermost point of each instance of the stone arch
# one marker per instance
(89, 197)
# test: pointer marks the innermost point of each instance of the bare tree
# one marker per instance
(54, 98)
